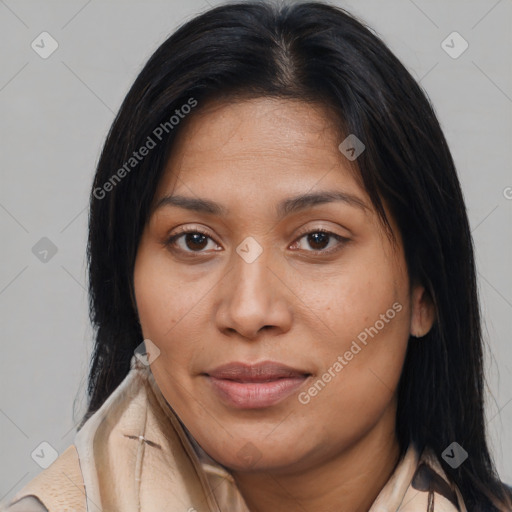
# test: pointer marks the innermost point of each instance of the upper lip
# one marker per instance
(258, 372)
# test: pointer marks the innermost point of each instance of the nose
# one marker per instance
(254, 297)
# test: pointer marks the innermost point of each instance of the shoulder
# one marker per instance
(59, 484)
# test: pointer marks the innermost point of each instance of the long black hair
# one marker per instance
(321, 54)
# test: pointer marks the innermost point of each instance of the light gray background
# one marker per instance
(55, 114)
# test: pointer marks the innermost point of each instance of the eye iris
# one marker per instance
(319, 237)
(199, 241)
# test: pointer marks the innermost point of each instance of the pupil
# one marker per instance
(196, 238)
(313, 237)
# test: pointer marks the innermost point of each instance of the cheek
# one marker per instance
(165, 302)
(168, 312)
(364, 334)
(357, 381)
(164, 310)
(354, 297)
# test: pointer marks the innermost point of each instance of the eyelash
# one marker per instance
(187, 231)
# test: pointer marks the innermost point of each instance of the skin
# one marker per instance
(203, 305)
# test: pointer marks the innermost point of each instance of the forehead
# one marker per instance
(263, 143)
(287, 117)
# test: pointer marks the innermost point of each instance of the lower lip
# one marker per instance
(255, 395)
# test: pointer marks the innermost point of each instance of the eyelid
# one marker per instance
(317, 229)
(191, 229)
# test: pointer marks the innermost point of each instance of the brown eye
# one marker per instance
(192, 241)
(195, 241)
(319, 241)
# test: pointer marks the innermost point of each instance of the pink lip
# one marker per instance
(255, 386)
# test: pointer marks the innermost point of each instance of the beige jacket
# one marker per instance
(134, 455)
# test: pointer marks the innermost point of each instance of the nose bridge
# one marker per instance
(251, 273)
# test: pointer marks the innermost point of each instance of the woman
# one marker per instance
(283, 285)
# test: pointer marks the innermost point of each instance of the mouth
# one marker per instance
(255, 386)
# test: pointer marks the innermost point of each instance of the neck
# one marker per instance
(349, 481)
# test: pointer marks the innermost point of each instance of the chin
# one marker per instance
(258, 453)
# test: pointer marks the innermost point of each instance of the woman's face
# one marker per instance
(256, 281)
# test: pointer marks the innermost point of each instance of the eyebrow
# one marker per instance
(286, 207)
